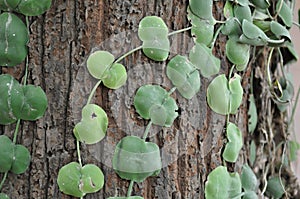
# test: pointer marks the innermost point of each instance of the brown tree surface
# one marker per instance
(60, 42)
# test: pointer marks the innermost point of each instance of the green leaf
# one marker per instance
(152, 95)
(8, 5)
(93, 125)
(218, 184)
(68, 179)
(202, 30)
(234, 144)
(154, 34)
(92, 179)
(250, 195)
(252, 153)
(33, 7)
(13, 40)
(243, 13)
(228, 10)
(225, 97)
(285, 13)
(134, 159)
(235, 188)
(251, 31)
(6, 153)
(34, 105)
(232, 27)
(248, 179)
(3, 196)
(243, 2)
(158, 114)
(21, 159)
(202, 58)
(184, 76)
(279, 30)
(236, 52)
(115, 76)
(98, 62)
(11, 99)
(262, 4)
(202, 9)
(274, 187)
(287, 94)
(252, 113)
(293, 148)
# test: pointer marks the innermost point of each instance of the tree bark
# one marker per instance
(60, 42)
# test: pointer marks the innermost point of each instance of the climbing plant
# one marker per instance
(18, 101)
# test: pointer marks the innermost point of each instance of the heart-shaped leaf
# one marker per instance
(33, 7)
(115, 76)
(78, 181)
(98, 62)
(184, 76)
(285, 13)
(21, 159)
(8, 5)
(202, 9)
(202, 30)
(248, 178)
(252, 113)
(3, 196)
(6, 153)
(235, 143)
(262, 4)
(34, 105)
(154, 34)
(225, 97)
(236, 52)
(11, 99)
(13, 40)
(152, 95)
(217, 184)
(93, 125)
(134, 159)
(202, 58)
(242, 13)
(92, 179)
(15, 158)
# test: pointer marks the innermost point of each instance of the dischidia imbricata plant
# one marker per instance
(18, 101)
(249, 24)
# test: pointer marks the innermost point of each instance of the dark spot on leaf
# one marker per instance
(94, 115)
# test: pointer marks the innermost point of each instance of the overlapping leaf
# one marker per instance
(202, 9)
(134, 159)
(93, 125)
(77, 181)
(237, 53)
(153, 97)
(184, 76)
(33, 7)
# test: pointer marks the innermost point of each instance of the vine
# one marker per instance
(18, 101)
(249, 24)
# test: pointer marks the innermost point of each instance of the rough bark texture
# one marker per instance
(60, 43)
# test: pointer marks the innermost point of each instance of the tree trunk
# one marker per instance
(60, 42)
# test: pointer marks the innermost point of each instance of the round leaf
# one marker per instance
(6, 153)
(203, 59)
(218, 184)
(33, 7)
(274, 187)
(13, 40)
(21, 159)
(11, 99)
(34, 105)
(235, 143)
(93, 125)
(202, 8)
(235, 185)
(248, 178)
(92, 179)
(152, 28)
(98, 62)
(134, 159)
(183, 75)
(158, 50)
(237, 52)
(115, 76)
(158, 115)
(150, 95)
(68, 179)
(242, 13)
(3, 196)
(8, 5)
(236, 93)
